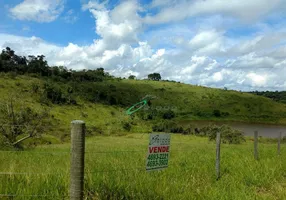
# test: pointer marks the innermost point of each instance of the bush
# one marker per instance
(127, 126)
(93, 130)
(177, 129)
(216, 113)
(169, 114)
(187, 131)
(132, 77)
(12, 75)
(55, 94)
(168, 126)
(228, 135)
(35, 87)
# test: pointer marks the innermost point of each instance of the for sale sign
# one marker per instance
(158, 151)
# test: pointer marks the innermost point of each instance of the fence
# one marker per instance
(77, 162)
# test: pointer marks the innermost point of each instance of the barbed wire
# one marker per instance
(37, 152)
(27, 125)
(32, 195)
(116, 170)
(86, 171)
(28, 173)
(88, 152)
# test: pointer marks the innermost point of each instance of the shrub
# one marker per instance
(168, 114)
(12, 75)
(35, 87)
(177, 129)
(168, 126)
(216, 113)
(132, 77)
(55, 94)
(187, 131)
(18, 84)
(127, 126)
(93, 130)
(228, 135)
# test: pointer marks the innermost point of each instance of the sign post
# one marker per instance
(158, 151)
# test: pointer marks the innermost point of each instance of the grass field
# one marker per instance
(115, 169)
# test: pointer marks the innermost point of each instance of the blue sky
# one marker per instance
(239, 44)
(60, 31)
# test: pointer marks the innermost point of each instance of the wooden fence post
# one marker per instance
(279, 143)
(217, 164)
(255, 145)
(77, 160)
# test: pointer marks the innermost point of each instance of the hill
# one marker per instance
(38, 99)
(103, 104)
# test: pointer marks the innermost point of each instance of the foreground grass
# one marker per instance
(115, 170)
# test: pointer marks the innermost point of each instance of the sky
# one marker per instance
(237, 44)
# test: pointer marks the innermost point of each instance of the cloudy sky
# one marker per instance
(238, 44)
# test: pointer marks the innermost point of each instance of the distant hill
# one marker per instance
(92, 103)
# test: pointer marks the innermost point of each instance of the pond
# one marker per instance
(264, 130)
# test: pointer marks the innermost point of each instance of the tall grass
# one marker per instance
(115, 169)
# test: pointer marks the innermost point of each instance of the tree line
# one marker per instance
(276, 96)
(11, 62)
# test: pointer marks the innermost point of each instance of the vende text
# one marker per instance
(160, 149)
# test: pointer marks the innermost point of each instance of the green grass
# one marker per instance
(112, 172)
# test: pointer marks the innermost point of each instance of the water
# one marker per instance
(264, 130)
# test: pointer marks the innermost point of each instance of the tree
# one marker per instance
(54, 93)
(154, 77)
(38, 65)
(17, 125)
(228, 135)
(132, 77)
(217, 113)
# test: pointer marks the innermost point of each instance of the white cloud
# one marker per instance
(198, 53)
(94, 5)
(142, 60)
(27, 45)
(38, 10)
(256, 79)
(244, 9)
(217, 76)
(26, 28)
(161, 3)
(70, 17)
(118, 26)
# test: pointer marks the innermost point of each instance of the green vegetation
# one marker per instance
(276, 96)
(154, 77)
(101, 100)
(102, 104)
(113, 170)
(119, 173)
(228, 135)
(132, 77)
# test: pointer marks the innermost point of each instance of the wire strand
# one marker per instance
(31, 195)
(87, 152)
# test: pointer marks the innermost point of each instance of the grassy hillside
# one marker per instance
(113, 171)
(188, 102)
(197, 103)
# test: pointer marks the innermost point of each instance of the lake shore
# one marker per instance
(264, 130)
